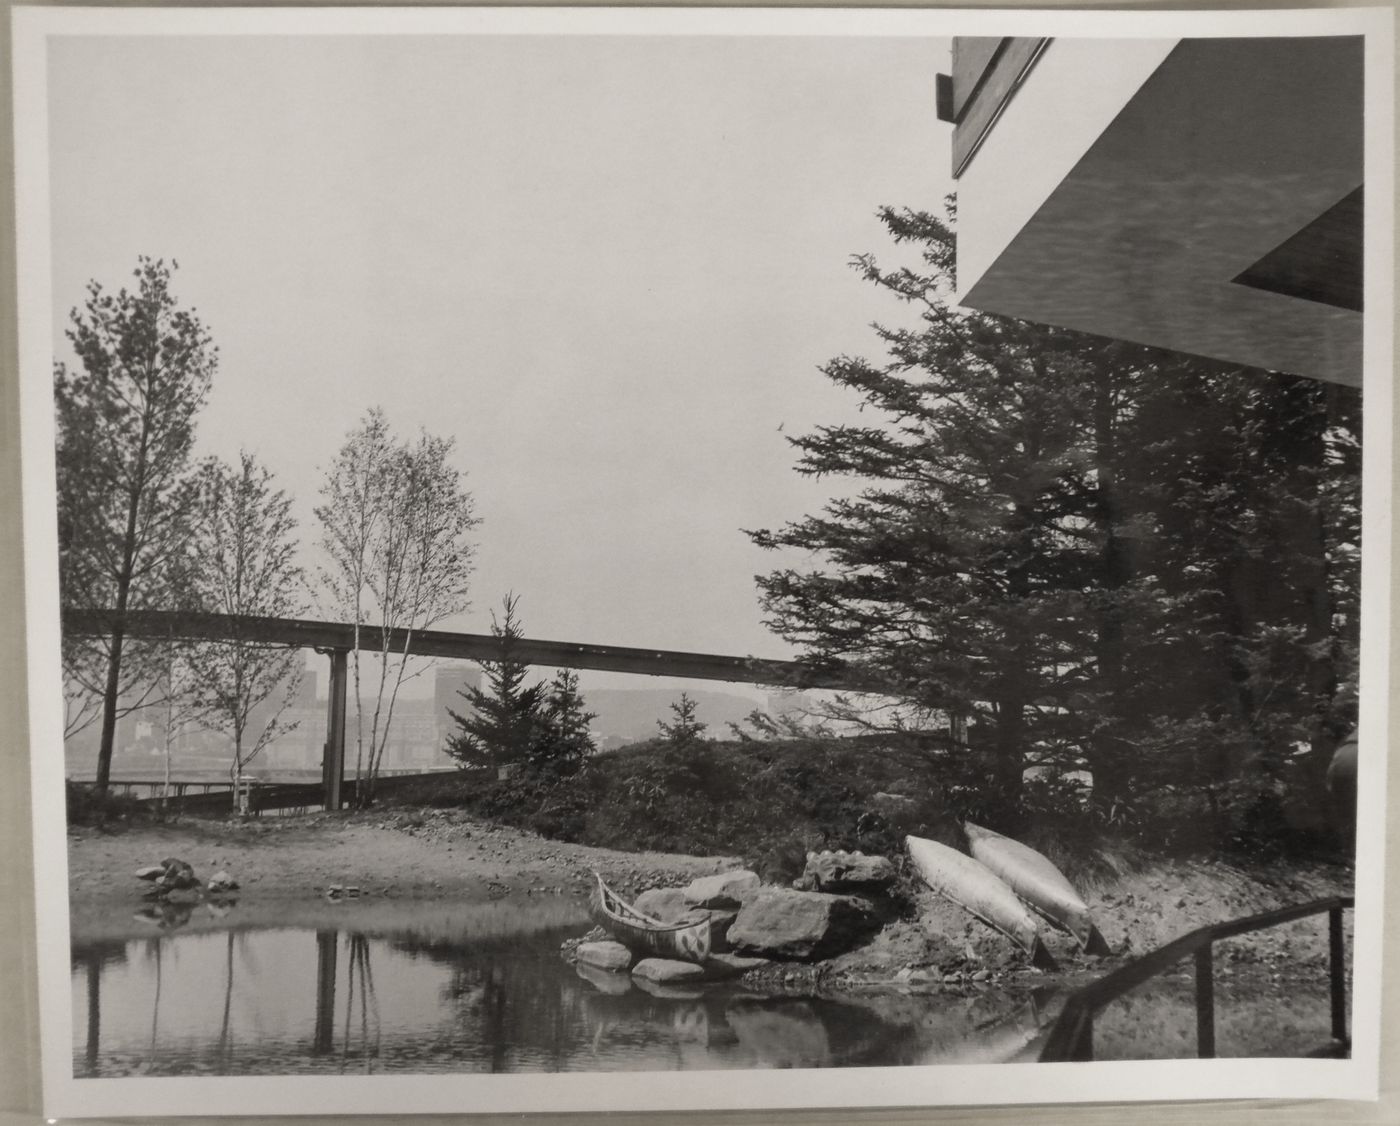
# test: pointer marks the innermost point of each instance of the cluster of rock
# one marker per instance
(836, 905)
(173, 874)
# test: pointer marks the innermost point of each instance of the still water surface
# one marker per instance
(397, 988)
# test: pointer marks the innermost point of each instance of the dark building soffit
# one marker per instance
(1323, 262)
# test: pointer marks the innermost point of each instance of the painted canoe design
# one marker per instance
(643, 935)
(977, 889)
(1038, 882)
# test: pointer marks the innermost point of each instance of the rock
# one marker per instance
(150, 872)
(610, 956)
(849, 871)
(669, 905)
(685, 991)
(178, 875)
(613, 984)
(720, 966)
(799, 924)
(221, 881)
(727, 889)
(665, 971)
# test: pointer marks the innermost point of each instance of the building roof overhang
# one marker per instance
(1199, 195)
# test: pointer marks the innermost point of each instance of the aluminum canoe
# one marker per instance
(980, 891)
(1038, 882)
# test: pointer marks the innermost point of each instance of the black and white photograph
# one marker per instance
(568, 551)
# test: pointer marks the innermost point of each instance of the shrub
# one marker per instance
(89, 808)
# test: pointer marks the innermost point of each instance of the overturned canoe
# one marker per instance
(976, 888)
(651, 938)
(1037, 881)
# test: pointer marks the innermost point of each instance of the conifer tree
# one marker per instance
(564, 739)
(505, 716)
(1114, 560)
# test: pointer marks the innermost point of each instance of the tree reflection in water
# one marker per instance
(359, 983)
(471, 996)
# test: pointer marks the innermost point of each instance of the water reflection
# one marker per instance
(474, 989)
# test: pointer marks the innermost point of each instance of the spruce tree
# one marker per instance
(1114, 561)
(505, 717)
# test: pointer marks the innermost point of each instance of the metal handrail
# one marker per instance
(1072, 1035)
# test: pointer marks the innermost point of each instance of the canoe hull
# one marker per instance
(978, 890)
(643, 935)
(1038, 882)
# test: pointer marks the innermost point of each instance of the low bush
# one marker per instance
(91, 809)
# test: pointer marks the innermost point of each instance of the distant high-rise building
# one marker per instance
(449, 682)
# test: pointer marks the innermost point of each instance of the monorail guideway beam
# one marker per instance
(337, 639)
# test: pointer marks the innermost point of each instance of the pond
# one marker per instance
(384, 987)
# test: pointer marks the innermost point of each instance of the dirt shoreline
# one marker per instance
(448, 856)
(429, 854)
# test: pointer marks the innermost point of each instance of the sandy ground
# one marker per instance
(448, 856)
(420, 855)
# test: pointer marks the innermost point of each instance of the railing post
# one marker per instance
(1338, 976)
(1205, 1003)
(1084, 1039)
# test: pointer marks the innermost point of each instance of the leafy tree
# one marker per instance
(505, 717)
(125, 419)
(246, 546)
(397, 526)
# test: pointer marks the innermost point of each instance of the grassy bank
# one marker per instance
(771, 801)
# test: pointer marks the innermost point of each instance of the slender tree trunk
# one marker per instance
(1107, 754)
(124, 578)
(1009, 751)
(109, 696)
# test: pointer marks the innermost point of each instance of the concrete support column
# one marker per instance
(333, 760)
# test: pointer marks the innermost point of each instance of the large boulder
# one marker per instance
(803, 925)
(725, 890)
(666, 970)
(848, 872)
(610, 956)
(669, 905)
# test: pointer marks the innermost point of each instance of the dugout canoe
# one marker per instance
(1038, 882)
(643, 935)
(977, 889)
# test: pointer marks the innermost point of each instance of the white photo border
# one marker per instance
(946, 1085)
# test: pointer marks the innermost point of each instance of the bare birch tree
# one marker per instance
(246, 550)
(397, 526)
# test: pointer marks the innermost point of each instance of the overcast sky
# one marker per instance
(609, 267)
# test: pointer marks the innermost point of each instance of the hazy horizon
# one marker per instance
(608, 266)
